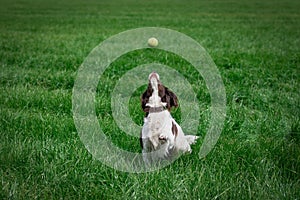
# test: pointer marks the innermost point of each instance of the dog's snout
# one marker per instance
(154, 75)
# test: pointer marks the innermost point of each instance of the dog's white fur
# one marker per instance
(159, 142)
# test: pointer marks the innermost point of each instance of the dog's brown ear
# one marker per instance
(145, 98)
(170, 98)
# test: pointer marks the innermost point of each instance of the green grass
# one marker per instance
(255, 45)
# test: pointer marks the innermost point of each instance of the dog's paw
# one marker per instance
(191, 139)
(188, 149)
(167, 140)
(162, 137)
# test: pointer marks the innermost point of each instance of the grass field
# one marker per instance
(256, 46)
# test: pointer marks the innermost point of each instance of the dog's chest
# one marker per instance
(158, 122)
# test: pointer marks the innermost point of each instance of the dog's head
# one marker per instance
(156, 88)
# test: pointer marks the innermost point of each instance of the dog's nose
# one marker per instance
(154, 75)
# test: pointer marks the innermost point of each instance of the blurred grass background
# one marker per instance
(255, 45)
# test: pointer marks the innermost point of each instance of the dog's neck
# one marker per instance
(156, 109)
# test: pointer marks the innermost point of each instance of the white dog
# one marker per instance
(161, 138)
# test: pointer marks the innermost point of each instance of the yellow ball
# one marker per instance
(153, 42)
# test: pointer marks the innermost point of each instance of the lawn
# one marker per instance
(254, 44)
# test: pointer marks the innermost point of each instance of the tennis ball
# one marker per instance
(153, 42)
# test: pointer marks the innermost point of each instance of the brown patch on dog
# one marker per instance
(141, 140)
(174, 130)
